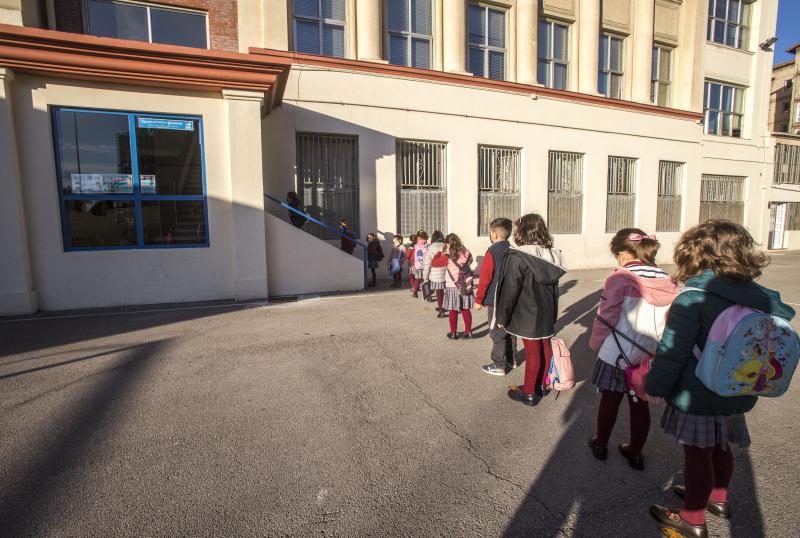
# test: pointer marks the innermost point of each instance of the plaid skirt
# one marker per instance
(705, 431)
(437, 285)
(608, 378)
(417, 273)
(453, 300)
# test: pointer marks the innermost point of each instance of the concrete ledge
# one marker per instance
(18, 303)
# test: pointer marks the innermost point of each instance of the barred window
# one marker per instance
(722, 197)
(611, 60)
(621, 201)
(327, 174)
(787, 164)
(422, 178)
(409, 25)
(661, 79)
(670, 180)
(728, 22)
(487, 41)
(724, 109)
(319, 27)
(498, 185)
(792, 216)
(565, 192)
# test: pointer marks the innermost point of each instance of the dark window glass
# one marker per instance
(170, 160)
(100, 223)
(178, 28)
(112, 19)
(174, 222)
(95, 153)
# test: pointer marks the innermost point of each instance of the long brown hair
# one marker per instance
(531, 229)
(455, 248)
(636, 242)
(723, 246)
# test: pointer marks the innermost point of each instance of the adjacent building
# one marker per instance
(141, 138)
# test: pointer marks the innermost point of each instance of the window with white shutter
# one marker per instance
(498, 185)
(722, 197)
(565, 192)
(422, 186)
(670, 181)
(621, 200)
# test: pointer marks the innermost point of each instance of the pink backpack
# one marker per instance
(561, 375)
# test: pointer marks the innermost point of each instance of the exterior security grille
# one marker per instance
(793, 216)
(498, 185)
(787, 164)
(565, 192)
(722, 197)
(327, 171)
(621, 203)
(668, 213)
(421, 177)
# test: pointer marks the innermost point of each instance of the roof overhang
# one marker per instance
(121, 61)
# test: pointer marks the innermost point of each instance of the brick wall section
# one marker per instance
(223, 19)
(68, 16)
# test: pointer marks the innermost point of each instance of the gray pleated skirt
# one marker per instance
(705, 431)
(437, 285)
(608, 378)
(453, 300)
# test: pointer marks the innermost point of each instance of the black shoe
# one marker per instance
(542, 391)
(516, 394)
(466, 336)
(716, 509)
(671, 520)
(599, 452)
(415, 295)
(452, 336)
(636, 461)
(493, 369)
(441, 314)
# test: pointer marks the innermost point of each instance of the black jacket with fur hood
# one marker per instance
(526, 299)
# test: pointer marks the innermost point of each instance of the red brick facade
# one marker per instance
(223, 19)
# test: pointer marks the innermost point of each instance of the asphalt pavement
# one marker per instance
(337, 416)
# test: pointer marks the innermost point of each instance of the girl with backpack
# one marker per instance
(632, 312)
(435, 276)
(458, 294)
(719, 262)
(417, 261)
(374, 256)
(526, 301)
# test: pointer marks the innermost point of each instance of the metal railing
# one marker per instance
(331, 229)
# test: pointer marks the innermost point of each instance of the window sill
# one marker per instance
(730, 48)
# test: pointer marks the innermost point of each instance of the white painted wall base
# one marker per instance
(18, 303)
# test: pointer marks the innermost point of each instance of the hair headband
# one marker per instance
(639, 237)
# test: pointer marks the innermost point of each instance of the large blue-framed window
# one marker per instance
(130, 180)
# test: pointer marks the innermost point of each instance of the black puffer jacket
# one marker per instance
(526, 300)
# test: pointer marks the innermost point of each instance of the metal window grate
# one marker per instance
(421, 177)
(498, 185)
(565, 192)
(722, 197)
(327, 172)
(668, 213)
(792, 216)
(787, 164)
(621, 202)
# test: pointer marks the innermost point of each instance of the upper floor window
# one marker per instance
(487, 41)
(409, 27)
(319, 27)
(609, 81)
(143, 22)
(662, 75)
(729, 22)
(723, 106)
(551, 69)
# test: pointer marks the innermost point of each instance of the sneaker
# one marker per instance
(493, 369)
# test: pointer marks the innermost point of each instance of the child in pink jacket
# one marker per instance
(635, 301)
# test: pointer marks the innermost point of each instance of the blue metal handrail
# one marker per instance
(327, 227)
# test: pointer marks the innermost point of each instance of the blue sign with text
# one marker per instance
(164, 123)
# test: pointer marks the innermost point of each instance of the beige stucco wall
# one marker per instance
(386, 109)
(66, 280)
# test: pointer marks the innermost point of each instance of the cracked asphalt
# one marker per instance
(339, 416)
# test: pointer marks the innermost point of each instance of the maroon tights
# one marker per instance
(439, 298)
(607, 417)
(537, 363)
(707, 472)
(413, 281)
(467, 315)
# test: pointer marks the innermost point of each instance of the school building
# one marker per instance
(141, 141)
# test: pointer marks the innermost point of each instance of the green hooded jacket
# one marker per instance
(688, 324)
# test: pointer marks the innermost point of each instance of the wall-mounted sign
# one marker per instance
(101, 183)
(147, 183)
(165, 123)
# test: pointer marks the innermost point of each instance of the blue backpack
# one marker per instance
(748, 353)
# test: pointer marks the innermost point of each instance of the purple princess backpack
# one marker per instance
(748, 353)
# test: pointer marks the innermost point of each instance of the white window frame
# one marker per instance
(605, 67)
(551, 61)
(741, 29)
(707, 110)
(321, 22)
(148, 6)
(409, 36)
(485, 45)
(655, 81)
